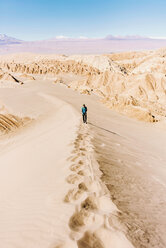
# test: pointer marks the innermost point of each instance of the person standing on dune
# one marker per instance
(84, 113)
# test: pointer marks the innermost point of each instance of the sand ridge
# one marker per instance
(89, 218)
(33, 212)
(75, 215)
(90, 224)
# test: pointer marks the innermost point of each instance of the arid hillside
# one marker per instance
(133, 83)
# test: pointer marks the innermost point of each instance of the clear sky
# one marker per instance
(43, 19)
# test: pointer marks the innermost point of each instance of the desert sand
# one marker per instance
(68, 184)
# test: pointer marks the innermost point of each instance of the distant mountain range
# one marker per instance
(5, 40)
(127, 37)
(81, 45)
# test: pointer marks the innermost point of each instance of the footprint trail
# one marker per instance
(90, 223)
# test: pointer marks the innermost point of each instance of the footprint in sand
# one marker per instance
(83, 186)
(81, 219)
(84, 172)
(76, 157)
(74, 194)
(90, 203)
(67, 244)
(73, 178)
(75, 167)
(89, 240)
(85, 219)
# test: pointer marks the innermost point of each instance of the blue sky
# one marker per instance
(42, 19)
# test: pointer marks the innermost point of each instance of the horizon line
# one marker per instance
(81, 37)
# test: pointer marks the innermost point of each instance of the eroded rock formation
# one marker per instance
(133, 83)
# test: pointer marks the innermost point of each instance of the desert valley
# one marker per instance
(67, 184)
(132, 83)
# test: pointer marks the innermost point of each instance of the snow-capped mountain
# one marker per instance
(5, 40)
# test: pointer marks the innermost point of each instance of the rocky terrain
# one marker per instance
(133, 83)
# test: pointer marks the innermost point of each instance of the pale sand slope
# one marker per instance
(33, 169)
(130, 153)
(132, 157)
(45, 163)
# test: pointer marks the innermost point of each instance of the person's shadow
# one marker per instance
(103, 129)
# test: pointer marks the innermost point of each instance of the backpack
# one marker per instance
(84, 110)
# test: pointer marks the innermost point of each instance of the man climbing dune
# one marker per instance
(84, 113)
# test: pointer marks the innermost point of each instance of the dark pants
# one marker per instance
(84, 116)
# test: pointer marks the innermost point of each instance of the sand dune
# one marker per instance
(34, 161)
(51, 179)
(55, 197)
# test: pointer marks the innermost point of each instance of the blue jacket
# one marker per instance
(84, 110)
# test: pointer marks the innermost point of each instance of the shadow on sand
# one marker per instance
(103, 129)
